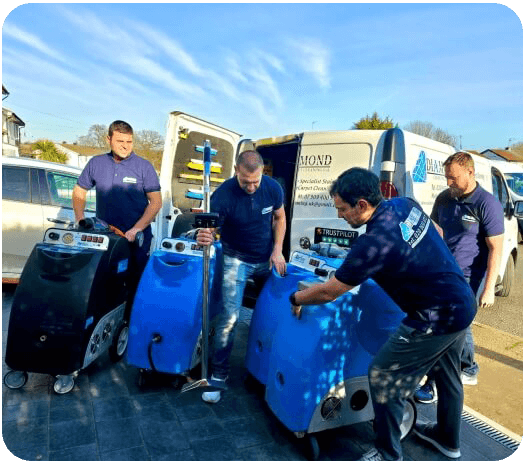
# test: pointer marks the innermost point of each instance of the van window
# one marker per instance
(15, 184)
(61, 189)
(499, 189)
(515, 182)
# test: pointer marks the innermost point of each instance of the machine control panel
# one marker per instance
(315, 264)
(78, 239)
(185, 247)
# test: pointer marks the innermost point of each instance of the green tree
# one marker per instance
(47, 151)
(373, 122)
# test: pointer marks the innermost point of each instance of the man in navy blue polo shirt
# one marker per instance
(471, 221)
(252, 229)
(403, 252)
(127, 193)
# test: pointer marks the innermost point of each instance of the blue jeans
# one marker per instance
(236, 274)
(467, 359)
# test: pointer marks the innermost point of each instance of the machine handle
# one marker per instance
(58, 256)
(172, 264)
(57, 278)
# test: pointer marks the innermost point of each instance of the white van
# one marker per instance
(513, 174)
(305, 165)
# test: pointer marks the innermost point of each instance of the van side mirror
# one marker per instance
(518, 209)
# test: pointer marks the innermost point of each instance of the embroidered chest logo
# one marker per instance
(469, 218)
(267, 210)
(129, 180)
(415, 227)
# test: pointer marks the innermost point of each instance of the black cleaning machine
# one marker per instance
(70, 304)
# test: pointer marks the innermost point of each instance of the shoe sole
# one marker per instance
(469, 382)
(210, 400)
(447, 452)
(422, 401)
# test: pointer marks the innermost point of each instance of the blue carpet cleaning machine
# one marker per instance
(69, 306)
(166, 320)
(179, 292)
(315, 367)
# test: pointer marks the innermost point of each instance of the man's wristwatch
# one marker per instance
(292, 299)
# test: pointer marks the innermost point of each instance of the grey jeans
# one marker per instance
(396, 371)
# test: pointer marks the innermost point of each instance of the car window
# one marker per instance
(61, 189)
(15, 183)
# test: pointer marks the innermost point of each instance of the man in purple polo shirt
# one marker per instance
(471, 221)
(127, 193)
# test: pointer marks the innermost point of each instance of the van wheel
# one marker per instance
(507, 279)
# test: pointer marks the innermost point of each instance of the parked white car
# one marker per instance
(33, 192)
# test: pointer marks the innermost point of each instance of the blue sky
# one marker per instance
(265, 69)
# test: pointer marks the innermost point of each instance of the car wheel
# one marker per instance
(507, 279)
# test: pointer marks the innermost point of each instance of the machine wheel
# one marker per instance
(312, 447)
(15, 379)
(64, 384)
(408, 419)
(119, 345)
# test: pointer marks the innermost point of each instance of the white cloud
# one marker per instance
(313, 58)
(270, 59)
(30, 39)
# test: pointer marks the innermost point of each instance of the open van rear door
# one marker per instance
(182, 168)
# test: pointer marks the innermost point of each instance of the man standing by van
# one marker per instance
(127, 193)
(471, 222)
(402, 251)
(253, 225)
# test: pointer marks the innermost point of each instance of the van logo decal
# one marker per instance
(425, 166)
(319, 160)
(419, 172)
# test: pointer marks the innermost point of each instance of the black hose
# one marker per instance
(155, 340)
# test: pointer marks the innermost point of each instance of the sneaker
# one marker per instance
(213, 397)
(372, 455)
(428, 433)
(426, 394)
(469, 379)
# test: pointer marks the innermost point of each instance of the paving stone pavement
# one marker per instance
(107, 416)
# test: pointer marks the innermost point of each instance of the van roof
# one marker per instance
(30, 162)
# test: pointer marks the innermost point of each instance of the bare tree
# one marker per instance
(148, 140)
(96, 137)
(428, 130)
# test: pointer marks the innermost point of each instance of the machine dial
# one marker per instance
(68, 238)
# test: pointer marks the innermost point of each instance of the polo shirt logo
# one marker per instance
(267, 210)
(129, 180)
(413, 229)
(469, 218)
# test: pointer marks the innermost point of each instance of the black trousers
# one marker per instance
(396, 371)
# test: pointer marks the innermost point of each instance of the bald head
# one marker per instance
(250, 161)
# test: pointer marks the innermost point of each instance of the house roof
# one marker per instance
(504, 154)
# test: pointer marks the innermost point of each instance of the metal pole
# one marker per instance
(207, 256)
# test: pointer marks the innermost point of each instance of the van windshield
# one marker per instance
(515, 182)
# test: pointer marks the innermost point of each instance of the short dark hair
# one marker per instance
(250, 160)
(462, 159)
(357, 183)
(119, 126)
